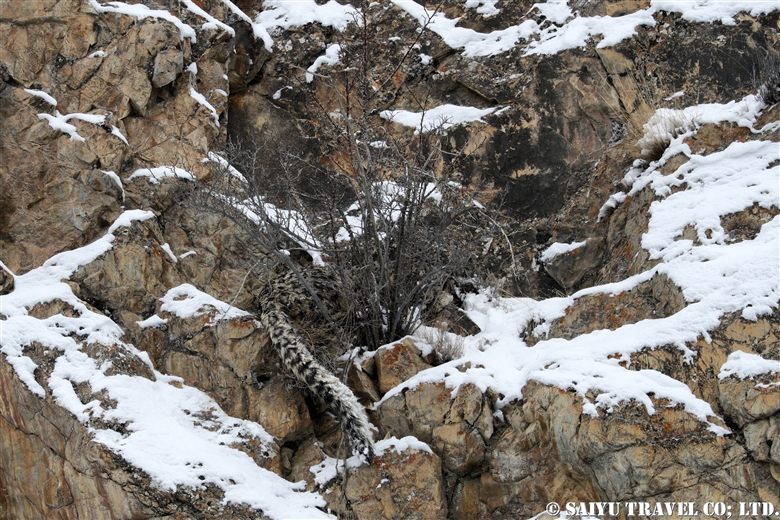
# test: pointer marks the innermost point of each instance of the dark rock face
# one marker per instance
(567, 269)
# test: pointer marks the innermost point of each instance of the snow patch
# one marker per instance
(126, 219)
(258, 31)
(331, 57)
(283, 14)
(330, 468)
(155, 175)
(709, 11)
(291, 221)
(153, 322)
(114, 177)
(176, 434)
(211, 22)
(43, 95)
(223, 163)
(141, 11)
(569, 31)
(558, 249)
(747, 366)
(186, 301)
(201, 99)
(45, 284)
(115, 131)
(444, 116)
(60, 122)
(486, 8)
(167, 248)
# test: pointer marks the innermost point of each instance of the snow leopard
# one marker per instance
(288, 298)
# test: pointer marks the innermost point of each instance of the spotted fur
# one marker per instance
(286, 298)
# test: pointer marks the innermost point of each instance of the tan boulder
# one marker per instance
(59, 470)
(307, 455)
(168, 64)
(461, 447)
(473, 407)
(405, 484)
(747, 400)
(362, 385)
(397, 363)
(281, 410)
(54, 195)
(133, 273)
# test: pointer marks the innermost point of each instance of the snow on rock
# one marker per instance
(330, 57)
(43, 95)
(472, 42)
(747, 366)
(716, 276)
(152, 321)
(45, 284)
(141, 11)
(258, 30)
(162, 172)
(730, 181)
(223, 163)
(186, 301)
(293, 222)
(486, 8)
(401, 445)
(118, 133)
(580, 29)
(282, 14)
(680, 125)
(211, 22)
(568, 30)
(709, 11)
(118, 181)
(167, 248)
(558, 249)
(174, 433)
(444, 116)
(60, 121)
(330, 468)
(201, 99)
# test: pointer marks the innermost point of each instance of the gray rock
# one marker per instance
(167, 66)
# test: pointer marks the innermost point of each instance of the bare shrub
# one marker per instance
(660, 129)
(388, 242)
(382, 216)
(446, 345)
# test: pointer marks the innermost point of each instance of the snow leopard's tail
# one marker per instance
(338, 397)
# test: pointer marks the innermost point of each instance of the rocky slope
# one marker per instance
(642, 366)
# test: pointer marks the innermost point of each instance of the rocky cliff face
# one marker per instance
(131, 389)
